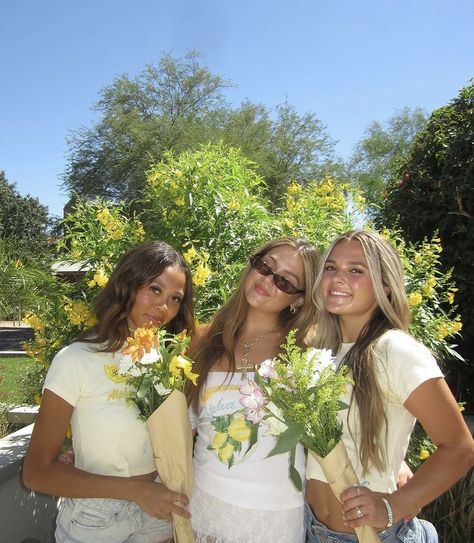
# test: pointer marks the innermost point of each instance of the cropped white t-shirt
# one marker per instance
(108, 437)
(227, 468)
(402, 364)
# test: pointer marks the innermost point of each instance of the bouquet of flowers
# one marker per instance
(156, 368)
(303, 390)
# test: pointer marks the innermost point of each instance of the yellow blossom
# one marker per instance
(201, 274)
(461, 406)
(226, 453)
(294, 188)
(418, 258)
(179, 201)
(103, 216)
(291, 205)
(19, 264)
(289, 222)
(424, 453)
(233, 205)
(415, 299)
(115, 230)
(238, 429)
(189, 255)
(143, 340)
(219, 440)
(442, 330)
(456, 327)
(78, 313)
(100, 279)
(181, 363)
(34, 321)
(450, 295)
(427, 290)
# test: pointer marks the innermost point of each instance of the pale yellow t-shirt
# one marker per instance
(108, 437)
(402, 364)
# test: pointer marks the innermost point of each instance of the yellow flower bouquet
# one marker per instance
(156, 367)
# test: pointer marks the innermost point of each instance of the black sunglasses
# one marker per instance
(280, 282)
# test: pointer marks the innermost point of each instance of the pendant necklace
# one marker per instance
(244, 361)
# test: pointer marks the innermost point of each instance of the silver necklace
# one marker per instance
(247, 347)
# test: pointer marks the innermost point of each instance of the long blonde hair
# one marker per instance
(223, 331)
(392, 312)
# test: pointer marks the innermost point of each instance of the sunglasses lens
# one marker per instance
(259, 265)
(283, 284)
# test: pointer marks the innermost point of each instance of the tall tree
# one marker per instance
(179, 105)
(379, 154)
(23, 222)
(434, 191)
(165, 107)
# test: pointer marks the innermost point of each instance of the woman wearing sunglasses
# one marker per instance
(241, 495)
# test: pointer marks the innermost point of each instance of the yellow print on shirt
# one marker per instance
(231, 432)
(111, 370)
(118, 395)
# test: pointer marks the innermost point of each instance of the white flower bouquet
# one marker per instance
(303, 390)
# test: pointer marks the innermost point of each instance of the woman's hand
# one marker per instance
(158, 500)
(362, 507)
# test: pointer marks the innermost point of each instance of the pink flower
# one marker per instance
(267, 369)
(253, 400)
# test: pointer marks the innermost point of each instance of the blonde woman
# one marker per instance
(363, 318)
(240, 495)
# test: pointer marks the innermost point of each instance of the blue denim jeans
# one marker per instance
(413, 531)
(98, 520)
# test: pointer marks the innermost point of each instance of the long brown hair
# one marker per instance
(220, 337)
(392, 312)
(136, 269)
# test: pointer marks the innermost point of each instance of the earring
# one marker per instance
(294, 310)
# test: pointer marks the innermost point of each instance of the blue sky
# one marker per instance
(351, 62)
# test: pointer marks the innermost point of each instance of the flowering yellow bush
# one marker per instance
(211, 205)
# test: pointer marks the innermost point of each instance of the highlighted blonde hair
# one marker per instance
(392, 312)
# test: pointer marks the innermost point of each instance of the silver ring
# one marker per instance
(358, 490)
(359, 512)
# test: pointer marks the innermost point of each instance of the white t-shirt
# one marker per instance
(108, 437)
(232, 473)
(402, 364)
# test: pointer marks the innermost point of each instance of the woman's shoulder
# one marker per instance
(404, 346)
(78, 348)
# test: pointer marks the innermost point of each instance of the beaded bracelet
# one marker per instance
(389, 509)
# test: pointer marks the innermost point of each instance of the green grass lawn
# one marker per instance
(12, 371)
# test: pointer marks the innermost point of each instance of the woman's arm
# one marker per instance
(435, 407)
(43, 472)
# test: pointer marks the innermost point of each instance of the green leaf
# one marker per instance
(287, 440)
(294, 473)
(253, 436)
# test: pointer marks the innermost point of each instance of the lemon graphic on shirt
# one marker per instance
(111, 370)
